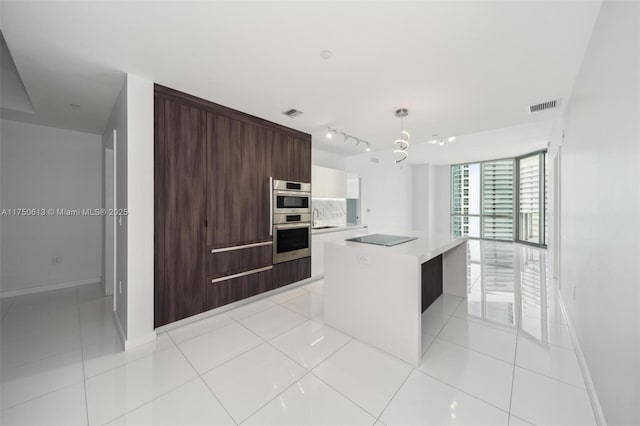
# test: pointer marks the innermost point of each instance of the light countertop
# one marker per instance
(425, 247)
(337, 229)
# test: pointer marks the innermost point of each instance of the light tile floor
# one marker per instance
(502, 356)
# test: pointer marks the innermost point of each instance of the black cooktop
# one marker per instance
(382, 239)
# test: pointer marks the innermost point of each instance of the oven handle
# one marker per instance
(292, 193)
(293, 226)
(270, 206)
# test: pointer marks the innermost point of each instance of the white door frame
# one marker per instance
(110, 242)
(556, 214)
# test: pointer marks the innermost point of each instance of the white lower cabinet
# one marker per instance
(317, 246)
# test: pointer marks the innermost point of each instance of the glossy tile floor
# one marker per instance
(501, 356)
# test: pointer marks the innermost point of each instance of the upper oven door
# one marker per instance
(291, 202)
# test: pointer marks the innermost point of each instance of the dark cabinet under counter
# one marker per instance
(290, 272)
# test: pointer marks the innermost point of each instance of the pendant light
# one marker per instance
(402, 144)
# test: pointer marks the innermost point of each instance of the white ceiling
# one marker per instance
(459, 67)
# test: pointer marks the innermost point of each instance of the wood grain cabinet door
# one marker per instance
(239, 165)
(291, 157)
(180, 210)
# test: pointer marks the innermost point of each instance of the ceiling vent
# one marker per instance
(293, 113)
(544, 106)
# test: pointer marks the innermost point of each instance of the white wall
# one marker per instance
(118, 121)
(140, 250)
(327, 159)
(132, 117)
(386, 192)
(421, 196)
(600, 210)
(439, 199)
(46, 167)
(430, 198)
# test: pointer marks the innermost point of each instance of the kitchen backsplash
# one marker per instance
(329, 212)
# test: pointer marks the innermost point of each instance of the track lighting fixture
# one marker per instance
(440, 141)
(346, 137)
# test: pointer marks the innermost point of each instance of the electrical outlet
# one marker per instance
(363, 259)
(119, 286)
(56, 260)
(574, 292)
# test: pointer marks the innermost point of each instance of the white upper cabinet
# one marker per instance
(353, 185)
(328, 183)
(317, 181)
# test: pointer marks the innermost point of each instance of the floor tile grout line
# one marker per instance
(204, 332)
(551, 378)
(307, 370)
(350, 339)
(204, 381)
(299, 313)
(513, 377)
(394, 395)
(461, 390)
(472, 350)
(276, 396)
(110, 369)
(345, 396)
(84, 373)
(280, 333)
(160, 395)
(294, 311)
(276, 348)
(11, 367)
(41, 395)
(54, 390)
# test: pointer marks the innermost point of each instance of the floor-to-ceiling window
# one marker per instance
(500, 199)
(532, 200)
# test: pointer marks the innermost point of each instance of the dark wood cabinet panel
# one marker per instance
(231, 262)
(290, 272)
(211, 189)
(291, 158)
(239, 164)
(232, 290)
(431, 281)
(180, 157)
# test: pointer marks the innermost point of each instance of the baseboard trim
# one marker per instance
(49, 287)
(591, 390)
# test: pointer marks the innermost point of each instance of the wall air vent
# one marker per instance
(544, 106)
(292, 113)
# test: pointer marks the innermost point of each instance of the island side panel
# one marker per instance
(377, 302)
(454, 270)
(431, 277)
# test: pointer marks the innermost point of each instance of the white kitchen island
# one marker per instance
(375, 293)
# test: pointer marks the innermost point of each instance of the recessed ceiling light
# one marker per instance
(74, 106)
(326, 54)
(451, 139)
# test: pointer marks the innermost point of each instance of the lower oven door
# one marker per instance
(291, 241)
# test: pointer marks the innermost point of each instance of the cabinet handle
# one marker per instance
(270, 206)
(241, 274)
(245, 246)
